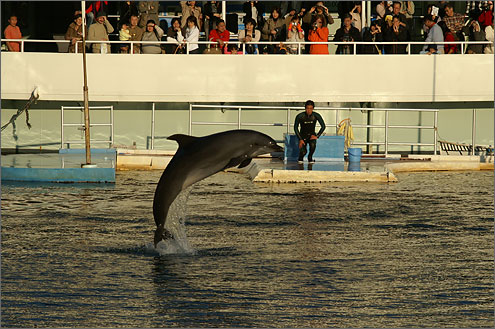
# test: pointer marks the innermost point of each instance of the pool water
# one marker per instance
(417, 253)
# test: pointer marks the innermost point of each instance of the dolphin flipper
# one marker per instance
(245, 163)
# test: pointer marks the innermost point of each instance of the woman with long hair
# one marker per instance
(192, 35)
(273, 30)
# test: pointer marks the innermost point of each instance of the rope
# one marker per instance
(32, 99)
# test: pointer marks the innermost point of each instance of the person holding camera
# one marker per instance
(318, 9)
(373, 34)
(397, 32)
(306, 134)
(99, 31)
(347, 33)
(295, 33)
(318, 33)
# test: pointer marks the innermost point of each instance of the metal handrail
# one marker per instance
(337, 110)
(63, 124)
(299, 44)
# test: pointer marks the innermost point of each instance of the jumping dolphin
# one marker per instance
(201, 157)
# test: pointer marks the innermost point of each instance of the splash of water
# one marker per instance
(175, 224)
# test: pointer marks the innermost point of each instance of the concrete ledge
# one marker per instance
(309, 176)
(447, 158)
(59, 175)
(438, 166)
(142, 162)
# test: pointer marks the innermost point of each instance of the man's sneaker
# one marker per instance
(300, 160)
(311, 161)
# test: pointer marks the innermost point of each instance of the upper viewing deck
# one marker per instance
(394, 73)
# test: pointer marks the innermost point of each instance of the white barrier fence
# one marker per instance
(242, 45)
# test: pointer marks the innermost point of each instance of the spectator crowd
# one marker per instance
(291, 22)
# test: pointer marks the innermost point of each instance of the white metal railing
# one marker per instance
(81, 125)
(386, 126)
(354, 44)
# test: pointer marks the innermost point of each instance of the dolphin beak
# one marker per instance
(277, 148)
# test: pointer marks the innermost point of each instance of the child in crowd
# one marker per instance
(295, 33)
(232, 49)
(124, 35)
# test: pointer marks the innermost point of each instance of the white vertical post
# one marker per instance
(190, 119)
(153, 126)
(288, 120)
(386, 134)
(368, 14)
(363, 15)
(224, 11)
(435, 132)
(111, 121)
(62, 127)
(239, 118)
(473, 132)
(22, 46)
(87, 139)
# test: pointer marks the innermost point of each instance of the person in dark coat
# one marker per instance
(373, 34)
(259, 9)
(126, 10)
(396, 32)
(347, 33)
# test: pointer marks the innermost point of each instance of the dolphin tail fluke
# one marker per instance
(162, 234)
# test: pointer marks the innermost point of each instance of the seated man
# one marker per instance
(454, 21)
(307, 121)
(220, 35)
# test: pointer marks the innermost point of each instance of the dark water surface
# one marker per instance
(416, 253)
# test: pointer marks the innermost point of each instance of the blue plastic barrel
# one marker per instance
(354, 166)
(354, 154)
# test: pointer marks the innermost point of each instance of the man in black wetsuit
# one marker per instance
(307, 135)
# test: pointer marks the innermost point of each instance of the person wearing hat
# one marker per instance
(99, 31)
(74, 34)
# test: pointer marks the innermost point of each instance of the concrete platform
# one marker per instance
(59, 168)
(266, 175)
(438, 166)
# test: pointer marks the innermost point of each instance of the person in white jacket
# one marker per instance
(192, 35)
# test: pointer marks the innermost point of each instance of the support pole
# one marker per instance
(386, 134)
(473, 133)
(363, 15)
(85, 87)
(153, 126)
(224, 10)
(368, 14)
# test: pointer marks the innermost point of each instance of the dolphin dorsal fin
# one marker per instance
(183, 140)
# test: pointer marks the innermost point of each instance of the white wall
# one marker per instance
(250, 78)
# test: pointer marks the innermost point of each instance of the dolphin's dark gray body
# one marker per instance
(201, 157)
